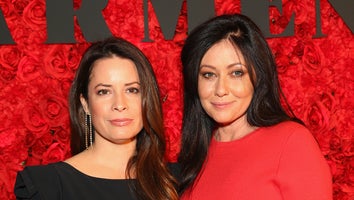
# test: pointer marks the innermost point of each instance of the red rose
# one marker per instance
(34, 119)
(303, 11)
(10, 106)
(227, 7)
(34, 15)
(28, 69)
(73, 56)
(30, 138)
(37, 150)
(53, 154)
(12, 154)
(12, 142)
(313, 58)
(56, 60)
(33, 45)
(8, 10)
(54, 109)
(9, 58)
(62, 135)
(282, 62)
(317, 117)
(304, 31)
(348, 148)
(20, 5)
(46, 139)
(31, 160)
(7, 181)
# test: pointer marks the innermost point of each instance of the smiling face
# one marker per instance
(114, 100)
(224, 86)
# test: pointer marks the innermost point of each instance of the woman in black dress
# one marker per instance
(117, 133)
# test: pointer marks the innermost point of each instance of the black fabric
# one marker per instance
(63, 182)
(175, 170)
(46, 181)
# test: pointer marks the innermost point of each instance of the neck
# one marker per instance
(110, 154)
(105, 160)
(233, 131)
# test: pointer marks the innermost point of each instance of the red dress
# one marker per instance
(282, 162)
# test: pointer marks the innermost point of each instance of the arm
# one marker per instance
(303, 172)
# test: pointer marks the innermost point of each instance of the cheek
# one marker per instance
(243, 89)
(243, 92)
(99, 109)
(204, 89)
(135, 106)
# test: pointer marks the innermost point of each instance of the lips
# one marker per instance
(121, 122)
(221, 105)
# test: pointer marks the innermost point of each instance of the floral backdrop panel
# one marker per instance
(316, 74)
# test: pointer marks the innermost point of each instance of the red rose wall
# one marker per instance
(316, 75)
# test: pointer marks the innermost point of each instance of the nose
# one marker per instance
(119, 103)
(221, 87)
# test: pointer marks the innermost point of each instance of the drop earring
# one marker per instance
(88, 131)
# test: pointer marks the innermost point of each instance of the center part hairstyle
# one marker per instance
(148, 164)
(265, 108)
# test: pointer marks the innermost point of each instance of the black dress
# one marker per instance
(62, 181)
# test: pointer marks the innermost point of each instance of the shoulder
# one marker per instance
(294, 136)
(36, 182)
(300, 148)
(297, 134)
(288, 130)
(291, 126)
(280, 134)
(294, 142)
(302, 168)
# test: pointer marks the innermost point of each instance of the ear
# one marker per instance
(84, 104)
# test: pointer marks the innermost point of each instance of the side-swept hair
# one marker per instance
(265, 108)
(153, 179)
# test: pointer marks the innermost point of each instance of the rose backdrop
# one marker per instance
(316, 75)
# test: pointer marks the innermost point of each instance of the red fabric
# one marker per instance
(280, 162)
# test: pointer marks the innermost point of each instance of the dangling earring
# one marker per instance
(91, 130)
(88, 131)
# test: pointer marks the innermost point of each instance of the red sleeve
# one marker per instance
(303, 172)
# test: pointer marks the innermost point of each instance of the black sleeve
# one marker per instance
(37, 183)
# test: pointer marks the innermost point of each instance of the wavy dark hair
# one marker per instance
(265, 108)
(153, 178)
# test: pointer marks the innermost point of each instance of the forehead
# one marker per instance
(113, 69)
(223, 51)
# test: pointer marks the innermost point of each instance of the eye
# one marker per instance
(207, 75)
(237, 73)
(133, 90)
(102, 92)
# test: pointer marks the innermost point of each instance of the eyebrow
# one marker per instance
(109, 85)
(229, 66)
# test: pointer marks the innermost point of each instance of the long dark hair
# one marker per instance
(153, 179)
(266, 106)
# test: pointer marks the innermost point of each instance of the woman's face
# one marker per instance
(224, 86)
(114, 100)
